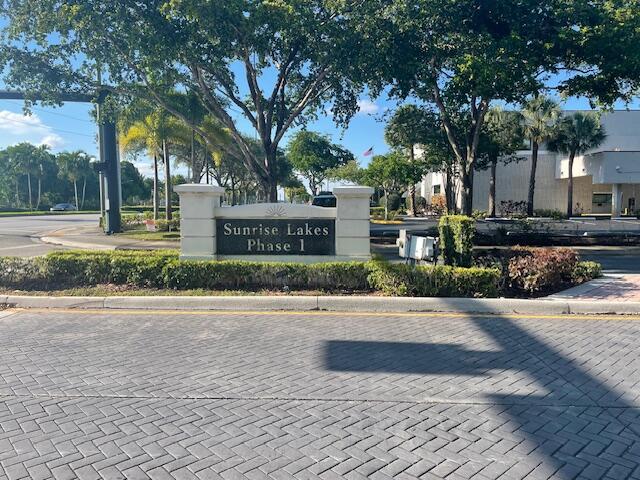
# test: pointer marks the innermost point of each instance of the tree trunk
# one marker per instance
(84, 191)
(449, 194)
(467, 191)
(195, 172)
(167, 180)
(39, 192)
(273, 191)
(492, 188)
(532, 177)
(155, 193)
(17, 192)
(570, 186)
(386, 205)
(29, 186)
(206, 163)
(75, 189)
(412, 187)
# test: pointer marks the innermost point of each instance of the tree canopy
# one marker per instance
(224, 55)
(313, 155)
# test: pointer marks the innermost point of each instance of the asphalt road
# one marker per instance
(299, 395)
(19, 235)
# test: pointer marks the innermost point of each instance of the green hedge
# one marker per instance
(456, 239)
(162, 269)
(434, 281)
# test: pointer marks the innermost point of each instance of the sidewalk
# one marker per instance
(92, 238)
(610, 288)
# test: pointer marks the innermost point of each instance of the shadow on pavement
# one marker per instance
(582, 427)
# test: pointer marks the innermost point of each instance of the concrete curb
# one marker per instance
(72, 244)
(332, 304)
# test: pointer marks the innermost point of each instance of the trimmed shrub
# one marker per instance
(456, 239)
(585, 272)
(162, 269)
(185, 275)
(534, 270)
(21, 273)
(82, 268)
(433, 281)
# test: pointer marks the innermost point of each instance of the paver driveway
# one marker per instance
(169, 395)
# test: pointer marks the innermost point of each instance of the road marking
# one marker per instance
(20, 247)
(317, 313)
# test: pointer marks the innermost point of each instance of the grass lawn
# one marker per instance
(387, 222)
(151, 236)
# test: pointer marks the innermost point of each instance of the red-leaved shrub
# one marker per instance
(540, 269)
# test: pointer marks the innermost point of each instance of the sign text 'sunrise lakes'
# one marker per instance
(276, 236)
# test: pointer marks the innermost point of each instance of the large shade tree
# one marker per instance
(275, 63)
(464, 55)
(407, 128)
(313, 155)
(390, 172)
(577, 134)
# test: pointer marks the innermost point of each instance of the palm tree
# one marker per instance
(41, 157)
(73, 166)
(577, 134)
(540, 116)
(154, 133)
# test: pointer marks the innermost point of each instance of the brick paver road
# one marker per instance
(117, 395)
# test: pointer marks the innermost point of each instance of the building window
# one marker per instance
(601, 199)
(436, 189)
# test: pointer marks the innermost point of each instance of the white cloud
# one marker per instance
(52, 140)
(367, 107)
(29, 128)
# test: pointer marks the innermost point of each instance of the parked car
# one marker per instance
(63, 207)
(324, 199)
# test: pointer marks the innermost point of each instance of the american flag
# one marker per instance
(368, 152)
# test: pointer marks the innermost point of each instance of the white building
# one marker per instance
(606, 180)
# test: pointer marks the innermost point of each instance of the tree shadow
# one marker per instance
(582, 426)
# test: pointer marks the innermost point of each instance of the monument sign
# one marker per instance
(274, 231)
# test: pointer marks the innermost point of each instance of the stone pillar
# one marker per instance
(352, 222)
(616, 199)
(198, 204)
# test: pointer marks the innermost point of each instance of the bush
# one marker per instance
(20, 273)
(479, 214)
(162, 269)
(585, 272)
(433, 281)
(74, 269)
(553, 214)
(456, 239)
(438, 205)
(185, 275)
(394, 201)
(421, 203)
(511, 208)
(534, 270)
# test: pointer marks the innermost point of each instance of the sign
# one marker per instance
(275, 236)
